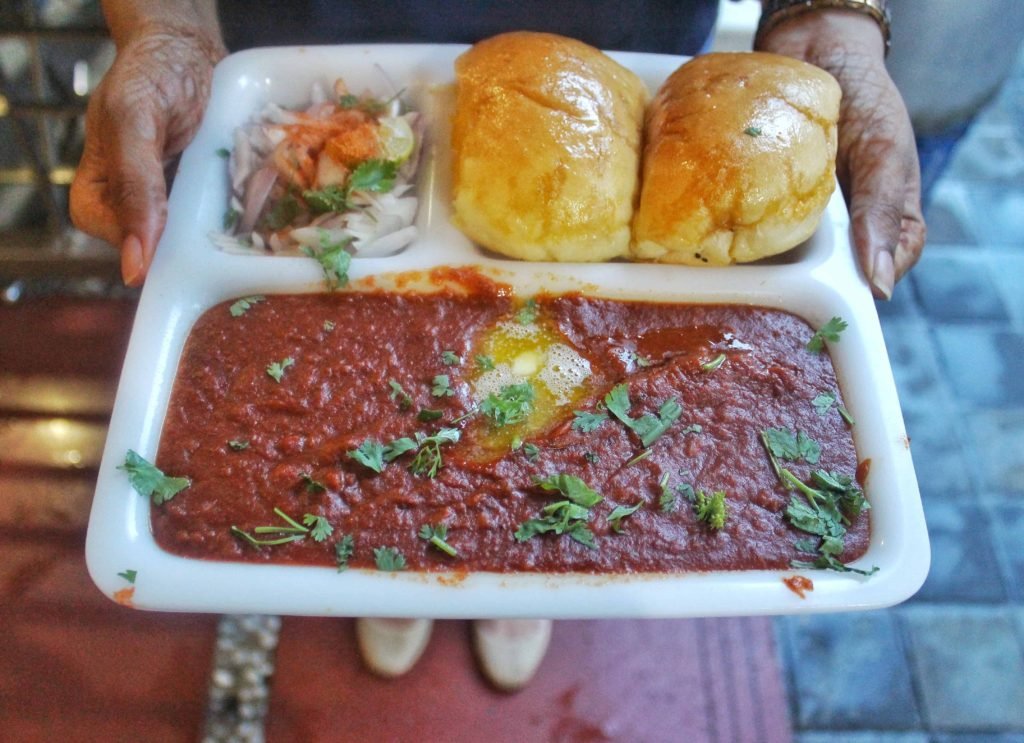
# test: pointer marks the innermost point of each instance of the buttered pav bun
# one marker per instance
(739, 159)
(546, 148)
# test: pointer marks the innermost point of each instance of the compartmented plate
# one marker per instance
(816, 281)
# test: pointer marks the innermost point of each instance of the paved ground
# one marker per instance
(949, 664)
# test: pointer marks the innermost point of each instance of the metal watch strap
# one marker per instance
(774, 12)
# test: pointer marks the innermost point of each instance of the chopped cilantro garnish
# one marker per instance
(437, 535)
(343, 550)
(714, 363)
(293, 531)
(586, 422)
(329, 199)
(275, 369)
(531, 452)
(398, 393)
(571, 487)
(711, 509)
(328, 326)
(527, 314)
(373, 175)
(223, 152)
(426, 415)
(450, 358)
(511, 405)
(319, 527)
(388, 559)
(484, 363)
(230, 219)
(845, 414)
(647, 427)
(785, 444)
(282, 213)
(238, 445)
(823, 402)
(428, 460)
(348, 100)
(441, 386)
(243, 305)
(828, 332)
(619, 513)
(312, 486)
(667, 501)
(335, 261)
(639, 457)
(370, 454)
(128, 575)
(639, 361)
(752, 131)
(150, 482)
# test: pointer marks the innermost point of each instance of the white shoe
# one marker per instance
(390, 647)
(510, 650)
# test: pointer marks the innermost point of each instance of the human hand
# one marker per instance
(146, 110)
(877, 159)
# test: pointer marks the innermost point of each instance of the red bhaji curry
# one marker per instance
(461, 430)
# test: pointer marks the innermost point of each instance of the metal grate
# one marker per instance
(52, 54)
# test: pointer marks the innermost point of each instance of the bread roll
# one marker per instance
(739, 159)
(546, 148)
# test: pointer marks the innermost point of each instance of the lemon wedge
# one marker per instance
(396, 138)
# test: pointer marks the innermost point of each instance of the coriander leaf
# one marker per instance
(398, 447)
(450, 358)
(571, 487)
(639, 457)
(829, 562)
(711, 509)
(846, 416)
(230, 219)
(128, 575)
(667, 500)
(149, 482)
(581, 533)
(388, 558)
(531, 451)
(437, 536)
(686, 490)
(348, 100)
(693, 428)
(785, 444)
(328, 326)
(399, 393)
(591, 457)
(312, 486)
(275, 369)
(484, 363)
(343, 550)
(426, 415)
(752, 131)
(527, 314)
(329, 199)
(373, 175)
(806, 545)
(619, 513)
(223, 152)
(648, 427)
(428, 460)
(714, 363)
(828, 332)
(823, 402)
(257, 543)
(640, 361)
(370, 454)
(335, 261)
(586, 422)
(512, 404)
(238, 445)
(243, 305)
(320, 528)
(282, 213)
(441, 386)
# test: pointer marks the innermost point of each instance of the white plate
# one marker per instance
(816, 281)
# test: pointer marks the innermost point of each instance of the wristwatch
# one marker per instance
(774, 12)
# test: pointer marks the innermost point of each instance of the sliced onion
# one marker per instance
(256, 193)
(388, 244)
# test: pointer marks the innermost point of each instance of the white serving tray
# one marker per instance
(816, 281)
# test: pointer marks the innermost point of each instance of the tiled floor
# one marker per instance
(948, 666)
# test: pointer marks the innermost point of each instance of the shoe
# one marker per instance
(390, 647)
(510, 650)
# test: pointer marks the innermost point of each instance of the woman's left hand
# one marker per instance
(877, 158)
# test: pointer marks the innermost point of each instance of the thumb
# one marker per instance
(138, 191)
(876, 215)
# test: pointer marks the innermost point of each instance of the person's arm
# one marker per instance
(146, 109)
(877, 159)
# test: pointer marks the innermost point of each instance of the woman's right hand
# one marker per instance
(145, 111)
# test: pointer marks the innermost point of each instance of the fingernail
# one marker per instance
(883, 275)
(131, 260)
